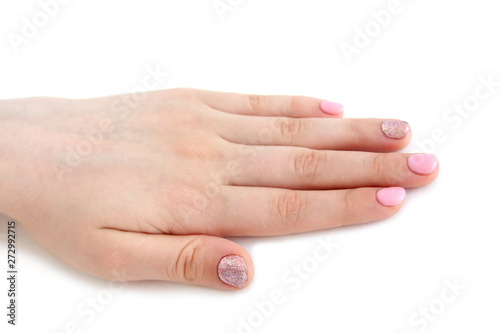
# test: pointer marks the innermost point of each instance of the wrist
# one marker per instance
(19, 137)
(9, 154)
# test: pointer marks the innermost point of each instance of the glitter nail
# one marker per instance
(233, 271)
(395, 129)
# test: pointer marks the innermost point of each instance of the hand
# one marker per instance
(145, 187)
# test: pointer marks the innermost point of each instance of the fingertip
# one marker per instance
(395, 129)
(396, 134)
(423, 164)
(234, 268)
(391, 196)
(332, 108)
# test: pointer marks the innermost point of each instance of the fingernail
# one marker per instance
(391, 196)
(395, 129)
(422, 164)
(331, 107)
(233, 271)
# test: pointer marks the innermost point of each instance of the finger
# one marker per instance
(257, 211)
(339, 134)
(307, 169)
(200, 260)
(268, 105)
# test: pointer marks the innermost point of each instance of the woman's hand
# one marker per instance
(137, 187)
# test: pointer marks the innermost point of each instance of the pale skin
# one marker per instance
(179, 170)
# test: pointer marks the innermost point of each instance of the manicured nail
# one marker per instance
(422, 164)
(395, 129)
(233, 271)
(391, 196)
(331, 107)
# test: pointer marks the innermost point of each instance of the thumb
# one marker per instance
(194, 259)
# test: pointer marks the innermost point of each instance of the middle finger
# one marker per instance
(309, 169)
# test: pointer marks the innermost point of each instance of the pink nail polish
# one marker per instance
(391, 196)
(395, 129)
(331, 107)
(232, 270)
(422, 164)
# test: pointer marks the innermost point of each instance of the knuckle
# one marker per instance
(295, 102)
(180, 92)
(292, 103)
(347, 204)
(347, 207)
(186, 119)
(307, 163)
(189, 265)
(169, 96)
(287, 210)
(257, 102)
(356, 131)
(192, 151)
(388, 168)
(291, 129)
(378, 165)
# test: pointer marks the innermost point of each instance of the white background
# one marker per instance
(428, 58)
